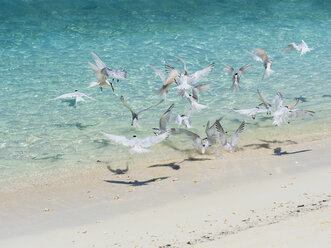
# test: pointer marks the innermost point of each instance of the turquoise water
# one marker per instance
(45, 47)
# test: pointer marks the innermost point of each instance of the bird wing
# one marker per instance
(98, 61)
(125, 104)
(278, 100)
(68, 95)
(120, 139)
(229, 70)
(184, 65)
(196, 90)
(291, 47)
(257, 58)
(95, 69)
(160, 74)
(262, 53)
(244, 69)
(143, 110)
(198, 75)
(152, 140)
(172, 74)
(82, 94)
(294, 104)
(211, 132)
(265, 102)
(221, 132)
(245, 111)
(236, 134)
(192, 135)
(297, 113)
(165, 118)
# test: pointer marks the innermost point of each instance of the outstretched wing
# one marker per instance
(198, 75)
(291, 47)
(98, 61)
(143, 110)
(184, 65)
(236, 134)
(229, 70)
(294, 104)
(152, 140)
(299, 113)
(165, 118)
(120, 139)
(95, 69)
(262, 53)
(257, 58)
(125, 104)
(221, 132)
(68, 95)
(192, 135)
(159, 73)
(265, 102)
(244, 69)
(196, 90)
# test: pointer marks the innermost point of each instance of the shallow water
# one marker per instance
(45, 47)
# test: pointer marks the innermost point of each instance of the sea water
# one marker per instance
(45, 47)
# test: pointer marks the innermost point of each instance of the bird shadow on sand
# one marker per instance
(278, 152)
(176, 165)
(267, 143)
(136, 182)
(118, 171)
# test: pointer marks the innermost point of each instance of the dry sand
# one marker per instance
(252, 198)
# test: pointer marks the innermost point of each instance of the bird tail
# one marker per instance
(267, 73)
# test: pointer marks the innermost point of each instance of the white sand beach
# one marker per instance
(252, 198)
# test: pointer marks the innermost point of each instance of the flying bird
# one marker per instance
(99, 71)
(223, 139)
(262, 56)
(186, 80)
(167, 81)
(135, 115)
(251, 112)
(194, 98)
(77, 95)
(200, 144)
(164, 121)
(138, 145)
(236, 75)
(303, 47)
(184, 120)
(283, 113)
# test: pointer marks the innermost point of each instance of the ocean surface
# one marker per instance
(45, 47)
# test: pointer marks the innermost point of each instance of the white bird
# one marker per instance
(167, 81)
(262, 56)
(112, 73)
(194, 98)
(283, 113)
(135, 115)
(184, 120)
(236, 75)
(222, 135)
(200, 144)
(185, 80)
(164, 121)
(99, 72)
(303, 47)
(251, 112)
(138, 145)
(77, 95)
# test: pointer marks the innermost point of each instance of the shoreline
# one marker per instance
(181, 196)
(279, 137)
